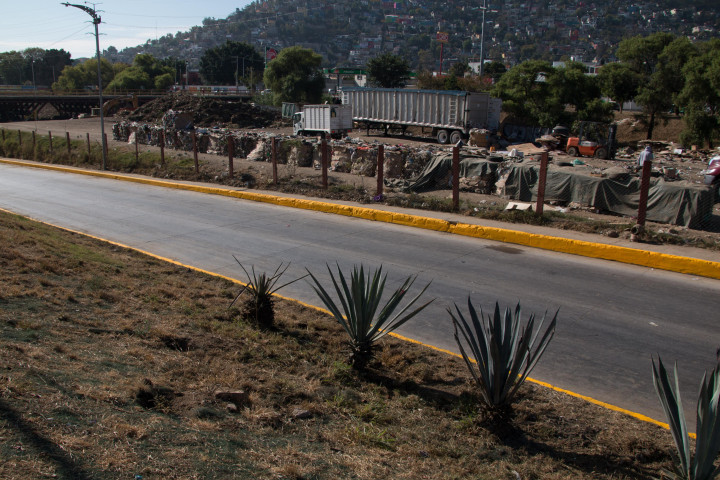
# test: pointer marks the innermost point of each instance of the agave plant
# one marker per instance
(504, 352)
(259, 308)
(707, 445)
(359, 311)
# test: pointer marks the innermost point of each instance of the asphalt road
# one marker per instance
(612, 318)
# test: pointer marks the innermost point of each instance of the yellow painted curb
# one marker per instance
(644, 258)
(608, 406)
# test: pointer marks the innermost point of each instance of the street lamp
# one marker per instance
(32, 69)
(482, 37)
(96, 22)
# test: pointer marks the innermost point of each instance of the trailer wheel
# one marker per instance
(442, 137)
(455, 137)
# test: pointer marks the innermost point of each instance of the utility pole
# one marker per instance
(96, 21)
(236, 70)
(482, 38)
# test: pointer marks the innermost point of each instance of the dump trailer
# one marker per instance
(324, 120)
(450, 114)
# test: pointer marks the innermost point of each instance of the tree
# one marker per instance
(573, 87)
(84, 75)
(388, 71)
(220, 64)
(459, 69)
(44, 66)
(526, 93)
(295, 76)
(426, 80)
(143, 74)
(700, 96)
(494, 70)
(658, 59)
(618, 82)
(642, 53)
(11, 68)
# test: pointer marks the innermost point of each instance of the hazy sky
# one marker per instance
(125, 23)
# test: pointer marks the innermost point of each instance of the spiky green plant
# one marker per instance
(504, 352)
(707, 445)
(260, 307)
(358, 311)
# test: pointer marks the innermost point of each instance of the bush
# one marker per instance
(503, 352)
(360, 302)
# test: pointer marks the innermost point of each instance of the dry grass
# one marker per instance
(111, 360)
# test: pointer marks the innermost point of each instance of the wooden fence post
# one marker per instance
(274, 160)
(231, 153)
(644, 189)
(324, 162)
(542, 183)
(456, 178)
(87, 139)
(137, 153)
(380, 173)
(195, 152)
(162, 148)
(50, 137)
(67, 142)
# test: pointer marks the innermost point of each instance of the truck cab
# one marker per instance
(329, 120)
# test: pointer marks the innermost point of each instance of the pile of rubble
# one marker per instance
(206, 112)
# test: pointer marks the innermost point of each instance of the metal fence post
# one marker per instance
(67, 142)
(456, 178)
(380, 169)
(324, 162)
(137, 153)
(49, 136)
(542, 183)
(87, 138)
(33, 144)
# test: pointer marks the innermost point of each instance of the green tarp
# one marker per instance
(677, 203)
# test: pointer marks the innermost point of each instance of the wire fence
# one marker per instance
(474, 180)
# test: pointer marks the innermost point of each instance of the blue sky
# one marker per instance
(125, 23)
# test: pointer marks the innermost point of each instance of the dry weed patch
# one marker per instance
(111, 363)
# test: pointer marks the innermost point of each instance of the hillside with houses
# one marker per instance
(348, 33)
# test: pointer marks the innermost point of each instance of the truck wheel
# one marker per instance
(573, 151)
(601, 153)
(455, 137)
(442, 137)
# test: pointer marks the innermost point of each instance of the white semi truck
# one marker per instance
(449, 114)
(325, 120)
